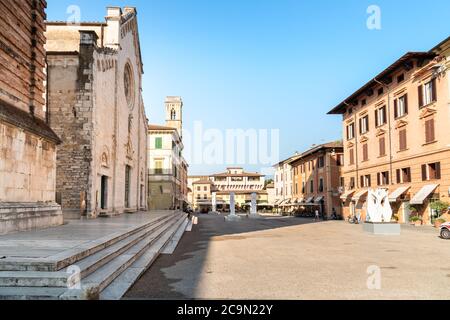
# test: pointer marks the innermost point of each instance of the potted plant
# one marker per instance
(416, 220)
(440, 208)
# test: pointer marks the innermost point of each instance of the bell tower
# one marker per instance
(174, 113)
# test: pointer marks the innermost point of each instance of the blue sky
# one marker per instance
(268, 64)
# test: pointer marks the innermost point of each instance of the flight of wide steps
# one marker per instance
(106, 268)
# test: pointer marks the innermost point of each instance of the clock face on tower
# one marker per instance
(128, 85)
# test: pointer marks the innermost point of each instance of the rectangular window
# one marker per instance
(401, 78)
(364, 125)
(431, 171)
(403, 143)
(311, 189)
(429, 131)
(321, 162)
(158, 143)
(342, 182)
(406, 175)
(321, 186)
(352, 183)
(350, 131)
(340, 160)
(381, 116)
(365, 152)
(380, 91)
(427, 93)
(366, 181)
(382, 143)
(401, 106)
(352, 157)
(383, 178)
(158, 167)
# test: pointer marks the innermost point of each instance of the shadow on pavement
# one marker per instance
(156, 285)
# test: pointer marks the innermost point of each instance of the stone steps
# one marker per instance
(104, 276)
(86, 266)
(110, 271)
(119, 287)
(70, 257)
(172, 244)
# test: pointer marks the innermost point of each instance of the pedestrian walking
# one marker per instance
(317, 216)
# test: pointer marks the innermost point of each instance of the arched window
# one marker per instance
(173, 115)
(129, 85)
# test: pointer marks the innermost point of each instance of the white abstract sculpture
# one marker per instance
(378, 207)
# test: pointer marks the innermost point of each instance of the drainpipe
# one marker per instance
(391, 169)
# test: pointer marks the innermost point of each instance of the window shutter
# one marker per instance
(382, 146)
(432, 136)
(429, 131)
(360, 126)
(403, 144)
(399, 176)
(387, 178)
(365, 152)
(362, 181)
(376, 118)
(396, 108)
(406, 103)
(433, 88)
(420, 89)
(438, 170)
(379, 179)
(424, 172)
(384, 115)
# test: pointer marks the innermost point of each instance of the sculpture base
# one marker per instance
(232, 218)
(387, 229)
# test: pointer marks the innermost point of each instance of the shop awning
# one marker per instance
(347, 194)
(309, 200)
(424, 193)
(319, 199)
(287, 202)
(360, 194)
(393, 197)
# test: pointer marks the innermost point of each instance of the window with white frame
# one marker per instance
(364, 124)
(350, 131)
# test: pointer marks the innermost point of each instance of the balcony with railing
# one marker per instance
(161, 175)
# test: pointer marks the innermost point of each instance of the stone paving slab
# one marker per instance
(59, 241)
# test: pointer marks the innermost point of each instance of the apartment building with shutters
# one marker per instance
(397, 136)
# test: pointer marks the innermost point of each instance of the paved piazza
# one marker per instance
(292, 258)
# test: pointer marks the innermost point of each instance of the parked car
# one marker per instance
(445, 231)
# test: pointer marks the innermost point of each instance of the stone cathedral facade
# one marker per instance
(27, 144)
(95, 105)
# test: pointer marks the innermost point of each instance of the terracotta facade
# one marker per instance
(397, 136)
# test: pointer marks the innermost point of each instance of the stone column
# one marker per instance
(214, 202)
(254, 207)
(232, 216)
